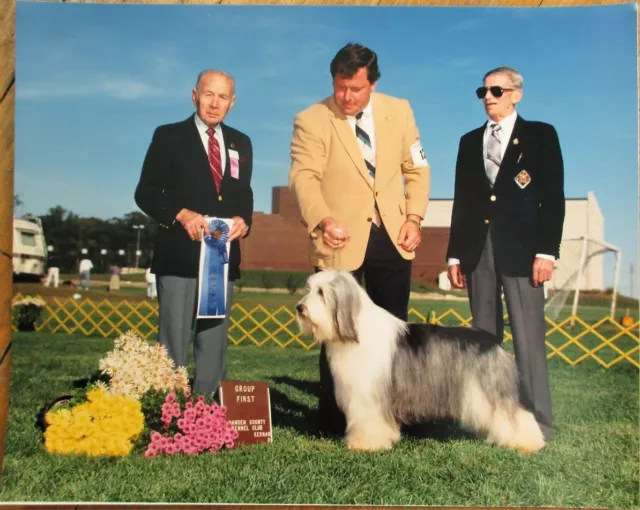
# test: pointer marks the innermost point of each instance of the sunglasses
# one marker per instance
(496, 91)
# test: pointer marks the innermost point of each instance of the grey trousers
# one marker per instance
(525, 306)
(178, 298)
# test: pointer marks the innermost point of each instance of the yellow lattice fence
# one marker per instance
(572, 339)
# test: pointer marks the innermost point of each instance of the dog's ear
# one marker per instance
(346, 306)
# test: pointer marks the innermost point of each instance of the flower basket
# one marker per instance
(26, 312)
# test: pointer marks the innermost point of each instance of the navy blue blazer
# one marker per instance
(525, 208)
(176, 175)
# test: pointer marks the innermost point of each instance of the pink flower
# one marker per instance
(171, 397)
(149, 453)
(182, 423)
(187, 393)
(201, 398)
(229, 444)
(155, 436)
(188, 405)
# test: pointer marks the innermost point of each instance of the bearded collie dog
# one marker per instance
(388, 372)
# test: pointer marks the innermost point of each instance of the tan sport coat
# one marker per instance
(328, 176)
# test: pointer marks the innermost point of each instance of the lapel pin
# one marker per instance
(523, 179)
(516, 141)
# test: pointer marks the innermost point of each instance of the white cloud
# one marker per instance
(115, 87)
(466, 24)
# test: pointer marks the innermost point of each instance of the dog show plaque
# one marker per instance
(248, 410)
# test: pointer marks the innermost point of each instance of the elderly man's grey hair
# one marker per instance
(514, 76)
(219, 73)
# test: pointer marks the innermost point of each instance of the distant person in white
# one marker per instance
(152, 291)
(85, 273)
(53, 269)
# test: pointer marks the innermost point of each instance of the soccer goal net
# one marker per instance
(580, 268)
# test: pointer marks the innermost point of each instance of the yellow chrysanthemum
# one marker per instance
(104, 425)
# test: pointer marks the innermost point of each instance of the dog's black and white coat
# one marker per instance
(388, 372)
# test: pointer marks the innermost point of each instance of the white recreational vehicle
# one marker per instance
(29, 247)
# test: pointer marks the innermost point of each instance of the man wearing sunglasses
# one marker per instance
(506, 228)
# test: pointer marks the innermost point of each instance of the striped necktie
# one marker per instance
(494, 153)
(215, 161)
(364, 141)
(365, 147)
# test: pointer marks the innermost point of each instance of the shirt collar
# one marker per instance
(507, 123)
(366, 112)
(202, 127)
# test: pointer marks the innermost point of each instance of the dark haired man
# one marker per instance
(361, 180)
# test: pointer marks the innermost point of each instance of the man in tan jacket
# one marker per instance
(361, 180)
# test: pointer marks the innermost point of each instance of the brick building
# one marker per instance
(280, 241)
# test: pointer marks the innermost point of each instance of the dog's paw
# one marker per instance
(364, 445)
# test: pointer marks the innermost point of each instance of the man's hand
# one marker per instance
(334, 235)
(456, 277)
(410, 234)
(239, 228)
(193, 223)
(542, 270)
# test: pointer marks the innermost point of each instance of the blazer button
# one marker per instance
(486, 222)
(219, 198)
(493, 198)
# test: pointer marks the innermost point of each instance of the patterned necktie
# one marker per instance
(494, 153)
(215, 161)
(365, 146)
(369, 158)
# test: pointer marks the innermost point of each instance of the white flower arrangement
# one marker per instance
(135, 366)
(26, 312)
(29, 300)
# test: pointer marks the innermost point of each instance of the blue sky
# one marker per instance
(93, 82)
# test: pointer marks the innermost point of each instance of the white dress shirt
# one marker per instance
(506, 129)
(217, 132)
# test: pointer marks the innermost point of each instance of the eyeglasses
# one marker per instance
(496, 91)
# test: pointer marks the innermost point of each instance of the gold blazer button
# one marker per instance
(493, 198)
(486, 222)
(219, 198)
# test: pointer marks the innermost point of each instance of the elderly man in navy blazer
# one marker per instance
(195, 168)
(506, 228)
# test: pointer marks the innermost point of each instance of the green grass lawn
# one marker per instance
(592, 461)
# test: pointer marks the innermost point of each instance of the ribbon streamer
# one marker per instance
(212, 302)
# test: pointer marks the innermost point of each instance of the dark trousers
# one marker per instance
(525, 306)
(387, 280)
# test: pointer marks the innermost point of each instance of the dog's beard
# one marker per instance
(305, 325)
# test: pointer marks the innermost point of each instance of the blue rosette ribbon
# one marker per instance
(212, 281)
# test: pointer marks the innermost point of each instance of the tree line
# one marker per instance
(69, 234)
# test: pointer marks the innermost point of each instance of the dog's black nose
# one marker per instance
(300, 308)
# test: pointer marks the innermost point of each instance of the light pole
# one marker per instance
(139, 228)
